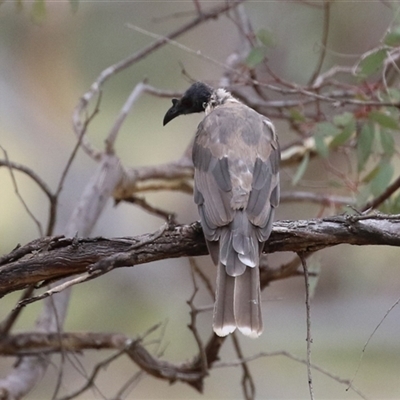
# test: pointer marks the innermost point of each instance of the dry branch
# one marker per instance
(30, 343)
(56, 258)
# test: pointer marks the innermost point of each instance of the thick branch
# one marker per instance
(61, 257)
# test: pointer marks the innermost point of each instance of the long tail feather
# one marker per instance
(247, 303)
(224, 318)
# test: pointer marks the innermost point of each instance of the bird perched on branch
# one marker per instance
(236, 188)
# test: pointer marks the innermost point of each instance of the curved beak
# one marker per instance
(173, 112)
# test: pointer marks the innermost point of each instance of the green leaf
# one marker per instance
(386, 207)
(371, 175)
(327, 129)
(265, 37)
(321, 146)
(301, 169)
(383, 120)
(255, 57)
(394, 94)
(364, 145)
(324, 130)
(38, 12)
(393, 38)
(371, 63)
(363, 196)
(345, 135)
(395, 208)
(382, 178)
(343, 119)
(387, 143)
(74, 5)
(296, 115)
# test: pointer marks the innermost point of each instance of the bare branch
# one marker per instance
(169, 217)
(32, 174)
(395, 304)
(132, 98)
(294, 358)
(324, 41)
(57, 258)
(91, 379)
(193, 318)
(248, 386)
(377, 201)
(319, 198)
(170, 176)
(16, 190)
(74, 152)
(163, 369)
(9, 321)
(202, 276)
(31, 343)
(308, 319)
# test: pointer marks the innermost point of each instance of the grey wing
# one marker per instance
(212, 191)
(265, 193)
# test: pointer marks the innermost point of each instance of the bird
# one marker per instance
(236, 160)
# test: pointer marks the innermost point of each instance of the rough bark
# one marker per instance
(53, 258)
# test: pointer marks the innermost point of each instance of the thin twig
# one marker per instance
(62, 350)
(294, 358)
(91, 380)
(53, 213)
(56, 289)
(129, 61)
(29, 172)
(126, 108)
(193, 317)
(324, 41)
(308, 312)
(248, 386)
(187, 49)
(16, 190)
(203, 277)
(169, 217)
(9, 321)
(319, 198)
(369, 339)
(78, 144)
(129, 385)
(197, 7)
(377, 201)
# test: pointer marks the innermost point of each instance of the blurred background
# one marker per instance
(48, 59)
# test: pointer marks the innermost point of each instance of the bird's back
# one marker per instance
(236, 189)
(236, 152)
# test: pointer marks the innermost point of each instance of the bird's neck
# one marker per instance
(219, 97)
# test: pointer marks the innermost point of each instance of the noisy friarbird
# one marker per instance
(236, 188)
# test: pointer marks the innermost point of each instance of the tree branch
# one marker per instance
(54, 258)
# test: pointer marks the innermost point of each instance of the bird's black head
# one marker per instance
(193, 101)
